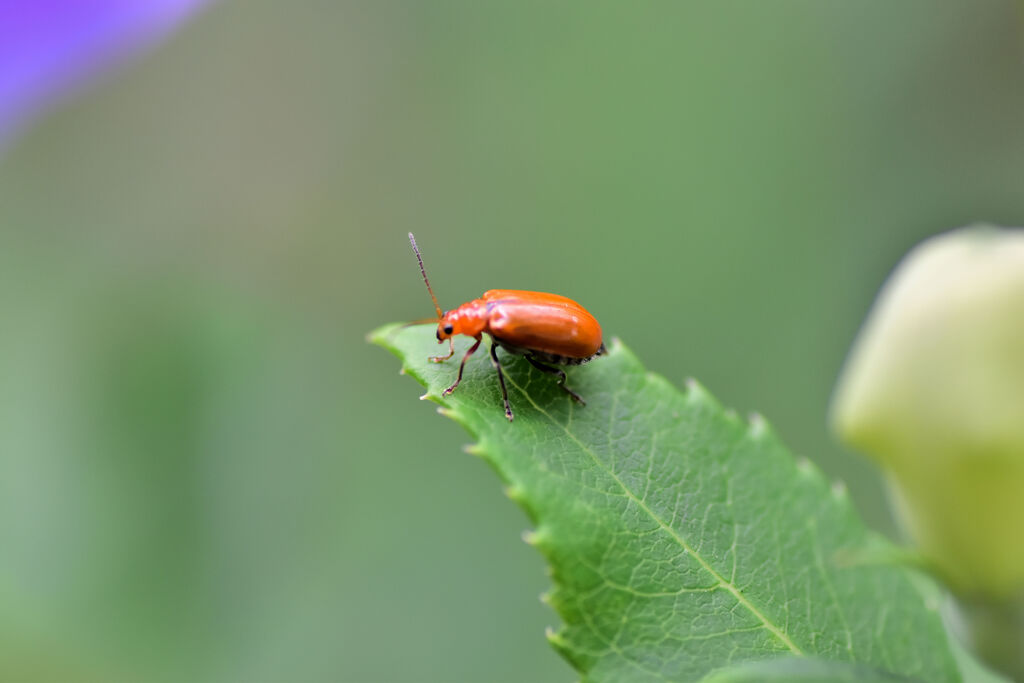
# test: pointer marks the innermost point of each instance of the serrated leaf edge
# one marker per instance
(757, 427)
(695, 394)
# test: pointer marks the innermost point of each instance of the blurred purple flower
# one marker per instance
(49, 47)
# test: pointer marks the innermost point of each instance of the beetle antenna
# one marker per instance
(423, 270)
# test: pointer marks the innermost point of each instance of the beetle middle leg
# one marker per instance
(501, 377)
(561, 378)
(462, 365)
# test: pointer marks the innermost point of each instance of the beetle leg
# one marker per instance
(561, 378)
(451, 352)
(501, 378)
(472, 350)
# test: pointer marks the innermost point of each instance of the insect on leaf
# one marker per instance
(682, 539)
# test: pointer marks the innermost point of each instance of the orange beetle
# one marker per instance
(544, 328)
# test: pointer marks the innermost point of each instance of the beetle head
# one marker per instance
(445, 327)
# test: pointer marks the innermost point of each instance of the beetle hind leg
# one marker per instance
(501, 378)
(561, 378)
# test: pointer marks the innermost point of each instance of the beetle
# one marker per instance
(543, 328)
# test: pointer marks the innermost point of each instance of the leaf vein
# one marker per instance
(727, 585)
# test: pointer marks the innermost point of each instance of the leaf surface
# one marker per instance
(682, 540)
(804, 670)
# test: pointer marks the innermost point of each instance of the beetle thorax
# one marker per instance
(470, 318)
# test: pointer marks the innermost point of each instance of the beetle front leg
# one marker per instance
(451, 352)
(472, 350)
(501, 378)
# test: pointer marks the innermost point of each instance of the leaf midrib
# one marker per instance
(770, 626)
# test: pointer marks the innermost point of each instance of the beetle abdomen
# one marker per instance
(553, 327)
(545, 357)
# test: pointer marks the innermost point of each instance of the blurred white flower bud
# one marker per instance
(934, 391)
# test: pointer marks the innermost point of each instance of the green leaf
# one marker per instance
(805, 670)
(681, 538)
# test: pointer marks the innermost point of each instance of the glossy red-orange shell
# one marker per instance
(542, 322)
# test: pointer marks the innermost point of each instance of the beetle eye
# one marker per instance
(448, 328)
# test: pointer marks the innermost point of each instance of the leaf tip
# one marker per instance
(758, 425)
(515, 493)
(555, 638)
(564, 648)
(695, 392)
(533, 537)
(454, 414)
(805, 466)
(382, 335)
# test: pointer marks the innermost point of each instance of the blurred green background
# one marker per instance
(206, 474)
